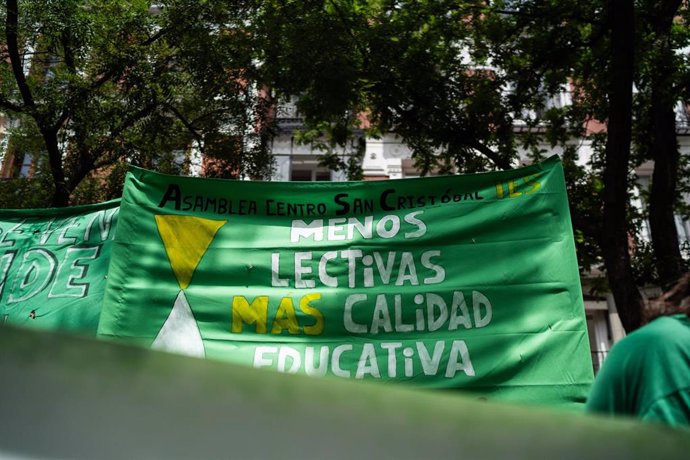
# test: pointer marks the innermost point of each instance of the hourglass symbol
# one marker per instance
(186, 239)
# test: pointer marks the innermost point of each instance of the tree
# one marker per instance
(451, 77)
(590, 46)
(661, 76)
(602, 48)
(102, 82)
(615, 233)
(438, 74)
(403, 63)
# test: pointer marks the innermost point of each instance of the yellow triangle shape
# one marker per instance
(186, 239)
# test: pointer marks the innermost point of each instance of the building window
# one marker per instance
(25, 169)
(599, 336)
(302, 174)
(322, 175)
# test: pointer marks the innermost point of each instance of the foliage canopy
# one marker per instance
(95, 83)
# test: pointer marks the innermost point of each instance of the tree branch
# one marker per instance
(9, 105)
(490, 154)
(101, 155)
(67, 49)
(81, 94)
(187, 124)
(11, 30)
(155, 37)
(106, 76)
(106, 160)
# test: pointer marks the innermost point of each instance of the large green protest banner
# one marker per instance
(53, 265)
(447, 282)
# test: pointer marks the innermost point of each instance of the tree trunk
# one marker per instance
(62, 193)
(664, 149)
(663, 194)
(615, 224)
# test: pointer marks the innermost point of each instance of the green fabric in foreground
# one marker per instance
(446, 282)
(78, 398)
(53, 265)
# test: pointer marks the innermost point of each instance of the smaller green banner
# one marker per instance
(53, 265)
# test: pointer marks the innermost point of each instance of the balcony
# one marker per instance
(288, 117)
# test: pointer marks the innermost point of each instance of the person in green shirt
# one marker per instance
(647, 374)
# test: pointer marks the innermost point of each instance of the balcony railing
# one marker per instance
(287, 116)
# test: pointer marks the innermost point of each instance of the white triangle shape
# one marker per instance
(180, 332)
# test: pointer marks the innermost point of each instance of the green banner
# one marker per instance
(448, 282)
(53, 265)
